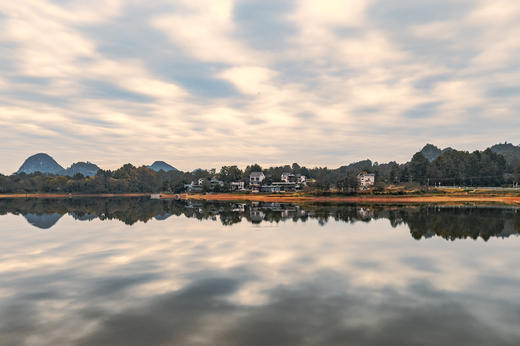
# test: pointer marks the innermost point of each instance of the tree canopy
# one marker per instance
(451, 167)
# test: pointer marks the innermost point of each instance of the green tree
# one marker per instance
(348, 184)
(252, 168)
(517, 173)
(230, 173)
(418, 167)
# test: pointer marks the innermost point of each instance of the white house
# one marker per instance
(293, 178)
(193, 187)
(256, 178)
(288, 177)
(237, 185)
(214, 182)
(366, 180)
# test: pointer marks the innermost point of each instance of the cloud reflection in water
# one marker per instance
(188, 280)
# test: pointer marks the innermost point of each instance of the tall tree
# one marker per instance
(418, 167)
(230, 173)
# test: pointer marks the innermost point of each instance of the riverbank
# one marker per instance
(447, 198)
(361, 199)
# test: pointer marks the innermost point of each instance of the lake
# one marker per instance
(134, 271)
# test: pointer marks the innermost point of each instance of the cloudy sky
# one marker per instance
(202, 83)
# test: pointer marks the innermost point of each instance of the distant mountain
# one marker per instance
(41, 163)
(86, 168)
(431, 152)
(161, 165)
(509, 151)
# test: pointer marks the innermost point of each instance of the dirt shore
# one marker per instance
(370, 199)
(452, 198)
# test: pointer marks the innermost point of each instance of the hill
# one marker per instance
(86, 168)
(431, 152)
(509, 151)
(41, 163)
(161, 165)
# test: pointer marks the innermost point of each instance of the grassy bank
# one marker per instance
(445, 197)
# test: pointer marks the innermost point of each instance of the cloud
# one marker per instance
(264, 24)
(332, 13)
(204, 29)
(249, 79)
(205, 83)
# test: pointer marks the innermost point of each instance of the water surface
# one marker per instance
(141, 272)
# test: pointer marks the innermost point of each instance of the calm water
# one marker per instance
(141, 272)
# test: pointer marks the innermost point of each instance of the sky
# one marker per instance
(206, 83)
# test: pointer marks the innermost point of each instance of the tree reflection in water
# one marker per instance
(424, 221)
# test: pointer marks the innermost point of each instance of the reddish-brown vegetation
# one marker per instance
(449, 198)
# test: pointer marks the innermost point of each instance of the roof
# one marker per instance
(256, 174)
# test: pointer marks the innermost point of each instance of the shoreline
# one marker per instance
(450, 198)
(370, 199)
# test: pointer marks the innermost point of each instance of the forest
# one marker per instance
(450, 168)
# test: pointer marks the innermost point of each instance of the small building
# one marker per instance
(288, 177)
(270, 188)
(193, 187)
(283, 186)
(366, 180)
(215, 182)
(238, 186)
(256, 178)
(293, 178)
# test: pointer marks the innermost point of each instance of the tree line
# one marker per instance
(452, 167)
(479, 168)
